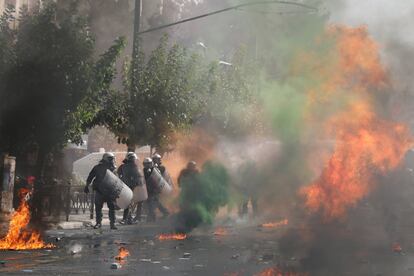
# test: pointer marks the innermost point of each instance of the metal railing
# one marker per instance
(81, 202)
(60, 198)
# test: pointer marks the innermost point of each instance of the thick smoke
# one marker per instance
(376, 221)
(294, 55)
(201, 196)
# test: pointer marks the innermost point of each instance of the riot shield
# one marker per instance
(163, 186)
(114, 189)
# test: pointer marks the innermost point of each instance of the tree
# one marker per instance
(161, 103)
(52, 86)
(228, 97)
(7, 56)
(175, 91)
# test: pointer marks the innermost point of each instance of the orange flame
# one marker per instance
(179, 236)
(221, 232)
(122, 254)
(18, 236)
(396, 247)
(275, 224)
(232, 274)
(274, 271)
(366, 144)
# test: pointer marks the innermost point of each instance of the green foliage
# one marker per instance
(7, 56)
(228, 96)
(52, 86)
(173, 90)
(202, 195)
(160, 96)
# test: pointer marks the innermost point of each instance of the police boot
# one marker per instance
(97, 225)
(113, 227)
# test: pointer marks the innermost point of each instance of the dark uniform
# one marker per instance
(153, 196)
(129, 173)
(96, 175)
(167, 178)
(187, 174)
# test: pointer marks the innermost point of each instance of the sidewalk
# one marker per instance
(81, 220)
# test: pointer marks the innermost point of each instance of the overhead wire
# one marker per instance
(228, 9)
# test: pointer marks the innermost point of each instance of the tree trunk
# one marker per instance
(38, 185)
(131, 147)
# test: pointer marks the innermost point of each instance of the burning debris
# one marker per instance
(231, 274)
(221, 232)
(397, 248)
(166, 237)
(19, 236)
(274, 271)
(122, 254)
(275, 224)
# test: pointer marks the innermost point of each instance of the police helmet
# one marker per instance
(192, 165)
(108, 157)
(156, 158)
(131, 156)
(147, 163)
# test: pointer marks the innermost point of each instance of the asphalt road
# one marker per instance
(239, 252)
(244, 249)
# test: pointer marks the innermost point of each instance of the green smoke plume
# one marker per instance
(201, 196)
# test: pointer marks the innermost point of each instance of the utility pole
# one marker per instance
(134, 77)
(135, 45)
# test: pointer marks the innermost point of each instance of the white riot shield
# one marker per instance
(168, 178)
(140, 193)
(113, 188)
(163, 186)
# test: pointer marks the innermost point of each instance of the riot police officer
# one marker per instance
(188, 173)
(153, 191)
(156, 158)
(129, 173)
(96, 176)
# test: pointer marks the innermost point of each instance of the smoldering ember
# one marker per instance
(206, 137)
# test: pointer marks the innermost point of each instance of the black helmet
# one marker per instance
(131, 156)
(192, 165)
(156, 158)
(108, 157)
(148, 163)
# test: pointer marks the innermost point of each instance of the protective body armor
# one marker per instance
(114, 189)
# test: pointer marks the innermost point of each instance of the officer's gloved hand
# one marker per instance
(86, 190)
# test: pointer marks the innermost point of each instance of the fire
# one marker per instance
(274, 271)
(19, 237)
(275, 224)
(122, 254)
(179, 236)
(396, 247)
(221, 232)
(366, 144)
(231, 274)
